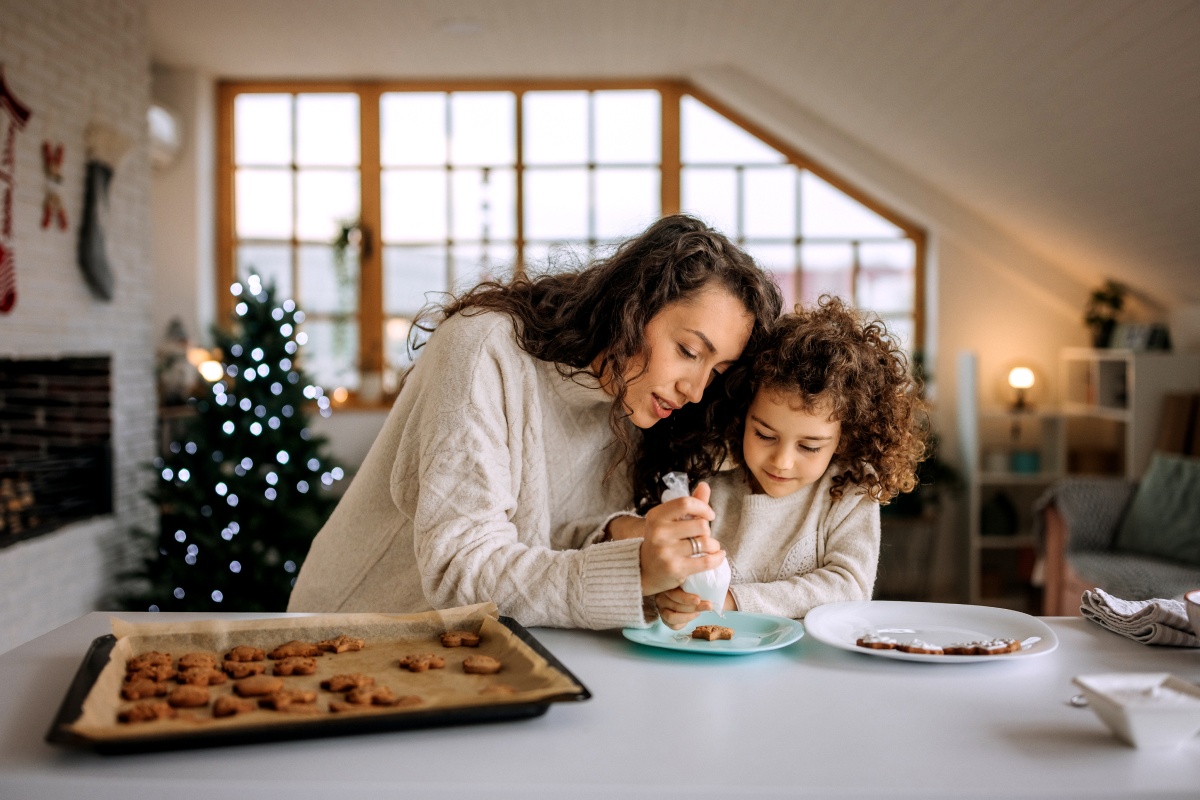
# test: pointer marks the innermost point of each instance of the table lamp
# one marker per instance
(1021, 380)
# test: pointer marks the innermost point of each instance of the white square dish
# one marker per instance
(1144, 709)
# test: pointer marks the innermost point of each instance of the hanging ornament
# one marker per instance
(17, 114)
(52, 207)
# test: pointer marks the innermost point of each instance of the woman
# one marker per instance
(499, 469)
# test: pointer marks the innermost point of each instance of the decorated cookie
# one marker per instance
(422, 662)
(481, 665)
(875, 641)
(712, 633)
(457, 638)
(341, 644)
(244, 652)
(922, 647)
(344, 683)
(296, 665)
(294, 648)
(147, 711)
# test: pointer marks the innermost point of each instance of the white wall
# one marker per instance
(75, 62)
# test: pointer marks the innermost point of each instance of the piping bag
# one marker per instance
(711, 584)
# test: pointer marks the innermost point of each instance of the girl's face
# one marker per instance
(785, 446)
(688, 343)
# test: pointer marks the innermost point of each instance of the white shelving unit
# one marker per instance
(1114, 399)
(1107, 422)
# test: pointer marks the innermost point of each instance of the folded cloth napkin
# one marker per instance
(1158, 621)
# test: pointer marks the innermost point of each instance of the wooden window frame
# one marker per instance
(370, 309)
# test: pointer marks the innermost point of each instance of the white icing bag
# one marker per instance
(713, 584)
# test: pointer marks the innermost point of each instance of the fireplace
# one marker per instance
(55, 443)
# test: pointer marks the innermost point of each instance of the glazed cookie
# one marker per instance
(201, 676)
(188, 696)
(296, 665)
(244, 652)
(229, 706)
(294, 648)
(147, 712)
(151, 659)
(257, 685)
(422, 662)
(457, 638)
(344, 683)
(140, 689)
(997, 647)
(712, 632)
(244, 669)
(874, 641)
(341, 644)
(481, 665)
(921, 647)
(155, 672)
(192, 660)
(960, 649)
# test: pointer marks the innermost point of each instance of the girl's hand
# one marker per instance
(677, 608)
(671, 534)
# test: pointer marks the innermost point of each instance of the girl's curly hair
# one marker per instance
(833, 357)
(597, 314)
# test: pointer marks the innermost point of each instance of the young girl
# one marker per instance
(499, 473)
(826, 429)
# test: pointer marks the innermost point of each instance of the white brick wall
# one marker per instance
(75, 62)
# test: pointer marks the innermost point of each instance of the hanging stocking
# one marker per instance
(105, 148)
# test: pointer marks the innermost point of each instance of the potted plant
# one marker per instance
(1102, 311)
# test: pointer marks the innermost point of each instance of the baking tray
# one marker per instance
(304, 727)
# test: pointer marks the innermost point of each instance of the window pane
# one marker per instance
(410, 272)
(626, 127)
(472, 264)
(556, 127)
(327, 198)
(826, 211)
(770, 202)
(326, 287)
(780, 261)
(826, 269)
(709, 138)
(397, 353)
(902, 329)
(711, 194)
(546, 258)
(885, 278)
(556, 204)
(269, 262)
(327, 129)
(331, 353)
(413, 129)
(483, 128)
(414, 205)
(627, 201)
(262, 129)
(483, 207)
(264, 204)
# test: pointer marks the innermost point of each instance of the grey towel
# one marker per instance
(1158, 621)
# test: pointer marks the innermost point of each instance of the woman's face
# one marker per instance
(688, 343)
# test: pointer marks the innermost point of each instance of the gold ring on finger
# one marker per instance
(696, 551)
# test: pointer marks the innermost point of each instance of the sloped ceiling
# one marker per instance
(1074, 125)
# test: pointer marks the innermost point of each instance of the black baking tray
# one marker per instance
(304, 727)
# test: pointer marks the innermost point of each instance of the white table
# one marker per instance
(805, 721)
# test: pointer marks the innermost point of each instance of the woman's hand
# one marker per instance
(672, 534)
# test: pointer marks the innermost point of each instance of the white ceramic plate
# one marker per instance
(841, 624)
(752, 633)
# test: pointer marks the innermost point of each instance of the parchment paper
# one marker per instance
(388, 639)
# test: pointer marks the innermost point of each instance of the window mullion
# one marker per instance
(670, 132)
(370, 306)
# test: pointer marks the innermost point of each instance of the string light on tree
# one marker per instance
(239, 502)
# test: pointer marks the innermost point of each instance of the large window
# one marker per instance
(363, 201)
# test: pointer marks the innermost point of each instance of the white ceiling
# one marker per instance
(1072, 124)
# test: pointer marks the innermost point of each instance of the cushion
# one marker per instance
(1164, 517)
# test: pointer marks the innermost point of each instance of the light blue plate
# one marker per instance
(752, 633)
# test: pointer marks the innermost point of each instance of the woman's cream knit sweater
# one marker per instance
(486, 483)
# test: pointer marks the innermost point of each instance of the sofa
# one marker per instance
(1134, 540)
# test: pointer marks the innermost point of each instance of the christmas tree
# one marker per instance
(245, 486)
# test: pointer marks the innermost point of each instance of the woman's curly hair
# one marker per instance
(833, 357)
(597, 314)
